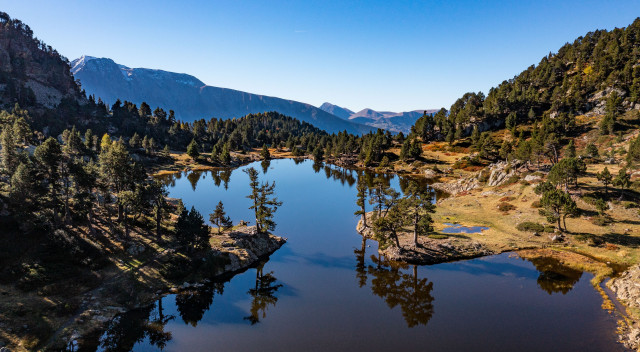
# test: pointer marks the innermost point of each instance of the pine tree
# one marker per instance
(362, 189)
(9, 154)
(571, 150)
(264, 206)
(220, 218)
(134, 141)
(192, 150)
(606, 178)
(418, 206)
(264, 153)
(225, 156)
(622, 180)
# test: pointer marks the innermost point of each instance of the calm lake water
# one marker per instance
(327, 290)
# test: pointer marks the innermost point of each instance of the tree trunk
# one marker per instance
(395, 236)
(364, 217)
(90, 218)
(415, 228)
(559, 225)
(158, 221)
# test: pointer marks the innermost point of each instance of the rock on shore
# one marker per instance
(627, 290)
(249, 247)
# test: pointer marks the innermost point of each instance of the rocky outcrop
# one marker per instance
(627, 290)
(462, 185)
(247, 248)
(502, 171)
(31, 73)
(430, 251)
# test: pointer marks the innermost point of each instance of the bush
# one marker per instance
(589, 200)
(600, 220)
(629, 205)
(438, 236)
(506, 207)
(550, 228)
(536, 204)
(530, 227)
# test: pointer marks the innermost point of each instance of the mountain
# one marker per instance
(341, 112)
(392, 121)
(190, 98)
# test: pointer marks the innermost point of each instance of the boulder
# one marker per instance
(533, 178)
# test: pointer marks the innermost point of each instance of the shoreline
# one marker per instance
(98, 309)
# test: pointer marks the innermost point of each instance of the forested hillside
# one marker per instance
(598, 72)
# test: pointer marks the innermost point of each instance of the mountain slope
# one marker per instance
(189, 97)
(32, 74)
(598, 74)
(392, 121)
(341, 112)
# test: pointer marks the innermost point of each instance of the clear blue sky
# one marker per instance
(384, 55)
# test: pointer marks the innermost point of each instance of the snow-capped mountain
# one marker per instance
(189, 97)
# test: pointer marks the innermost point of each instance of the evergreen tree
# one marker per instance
(220, 218)
(264, 153)
(225, 156)
(264, 206)
(134, 142)
(191, 231)
(606, 178)
(622, 180)
(558, 205)
(418, 206)
(571, 150)
(362, 189)
(9, 154)
(192, 150)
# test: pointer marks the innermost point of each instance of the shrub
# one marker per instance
(437, 236)
(629, 205)
(549, 228)
(536, 204)
(600, 220)
(506, 207)
(530, 226)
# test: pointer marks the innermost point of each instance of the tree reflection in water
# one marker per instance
(396, 287)
(263, 295)
(265, 165)
(555, 277)
(125, 330)
(192, 304)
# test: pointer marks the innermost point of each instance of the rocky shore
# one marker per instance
(627, 290)
(429, 251)
(236, 251)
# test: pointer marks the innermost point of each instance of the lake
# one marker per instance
(327, 289)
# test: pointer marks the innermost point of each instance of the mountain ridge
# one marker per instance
(189, 97)
(388, 120)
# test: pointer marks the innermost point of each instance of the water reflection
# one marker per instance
(127, 329)
(396, 287)
(219, 176)
(192, 304)
(555, 277)
(263, 295)
(265, 165)
(148, 324)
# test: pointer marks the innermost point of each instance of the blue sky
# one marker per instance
(384, 55)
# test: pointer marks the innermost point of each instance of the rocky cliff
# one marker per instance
(32, 74)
